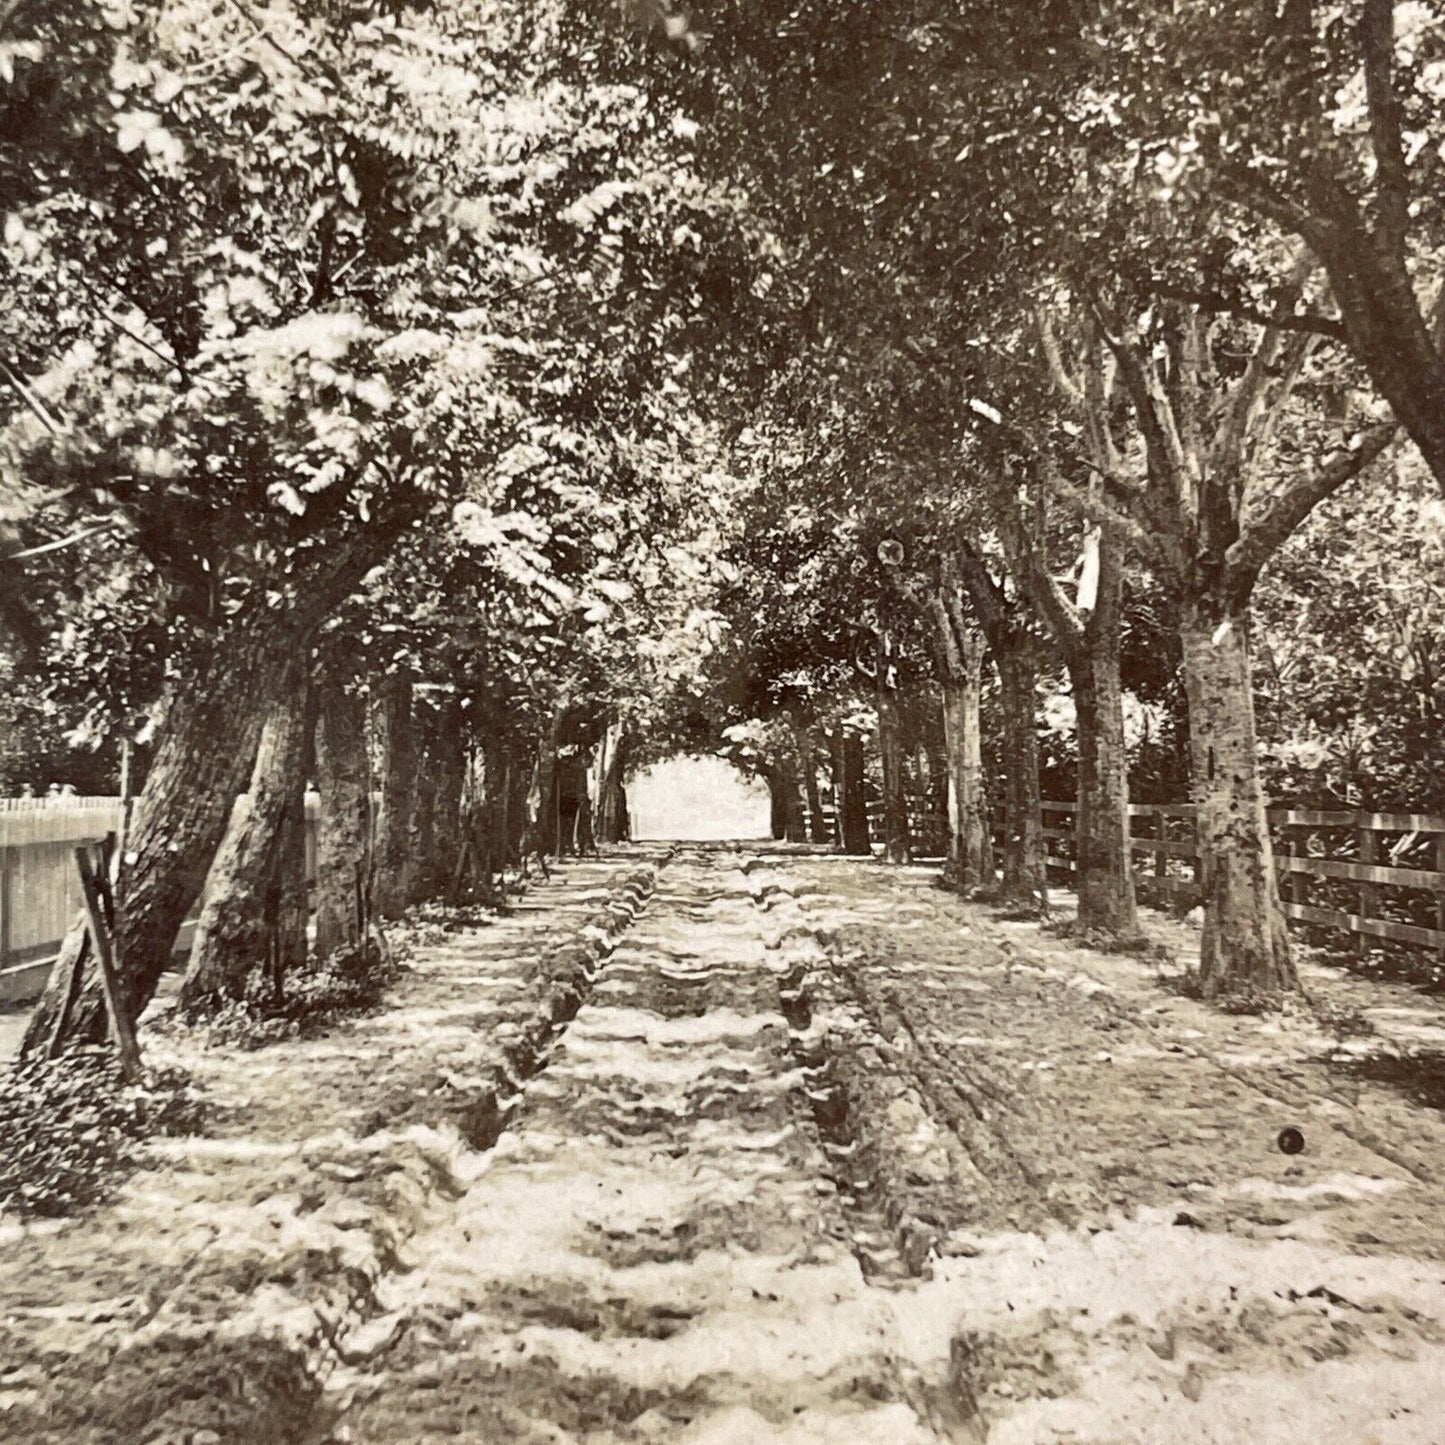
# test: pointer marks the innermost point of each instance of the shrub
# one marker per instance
(73, 1129)
(350, 982)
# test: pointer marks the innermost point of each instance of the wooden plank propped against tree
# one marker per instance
(72, 992)
(100, 937)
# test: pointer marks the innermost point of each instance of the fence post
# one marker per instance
(1366, 847)
(7, 901)
(1297, 844)
(1440, 897)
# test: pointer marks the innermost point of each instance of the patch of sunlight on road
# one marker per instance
(697, 799)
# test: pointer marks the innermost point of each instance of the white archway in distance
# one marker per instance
(697, 800)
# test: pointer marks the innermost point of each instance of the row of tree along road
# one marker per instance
(466, 404)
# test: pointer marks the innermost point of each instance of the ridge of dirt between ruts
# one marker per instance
(828, 1036)
(222, 1322)
(655, 1251)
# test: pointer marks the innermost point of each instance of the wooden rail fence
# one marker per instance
(1369, 875)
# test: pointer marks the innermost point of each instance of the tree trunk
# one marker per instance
(970, 844)
(852, 795)
(439, 811)
(794, 829)
(896, 841)
(293, 900)
(423, 852)
(208, 744)
(611, 804)
(343, 851)
(396, 726)
(1104, 875)
(1246, 948)
(808, 768)
(777, 803)
(239, 932)
(545, 825)
(482, 809)
(1025, 867)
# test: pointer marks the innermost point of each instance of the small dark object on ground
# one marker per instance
(1290, 1141)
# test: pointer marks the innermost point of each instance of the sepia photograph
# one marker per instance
(722, 722)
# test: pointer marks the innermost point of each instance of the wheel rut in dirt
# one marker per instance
(654, 1248)
(223, 1286)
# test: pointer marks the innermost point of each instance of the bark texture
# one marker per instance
(959, 656)
(395, 723)
(1245, 948)
(1103, 859)
(1025, 857)
(1089, 632)
(439, 828)
(343, 849)
(611, 824)
(241, 928)
(785, 805)
(818, 831)
(897, 842)
(208, 745)
(852, 794)
(970, 850)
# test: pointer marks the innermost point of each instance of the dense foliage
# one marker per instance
(922, 404)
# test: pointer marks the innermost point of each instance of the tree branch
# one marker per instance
(1068, 389)
(1167, 462)
(1392, 182)
(1227, 449)
(1263, 534)
(1257, 447)
(1059, 615)
(984, 592)
(33, 404)
(61, 543)
(1217, 304)
(1096, 510)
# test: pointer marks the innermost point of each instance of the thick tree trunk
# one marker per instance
(396, 727)
(785, 809)
(207, 748)
(852, 794)
(776, 826)
(343, 850)
(293, 900)
(439, 813)
(1245, 949)
(794, 828)
(584, 831)
(897, 844)
(423, 852)
(970, 843)
(1025, 866)
(481, 843)
(240, 929)
(1104, 875)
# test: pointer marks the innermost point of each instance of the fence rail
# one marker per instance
(1368, 875)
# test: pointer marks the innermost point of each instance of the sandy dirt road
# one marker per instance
(722, 1147)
